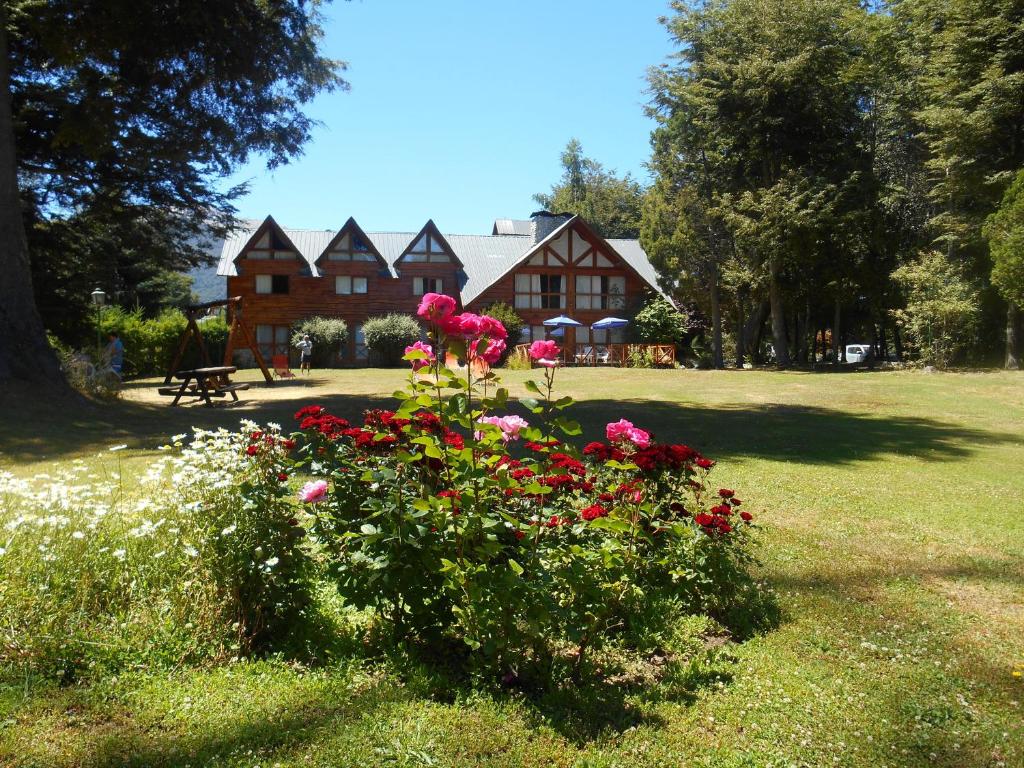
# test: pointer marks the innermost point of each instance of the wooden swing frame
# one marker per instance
(234, 310)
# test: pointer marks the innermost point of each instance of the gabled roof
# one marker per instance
(309, 244)
(430, 230)
(485, 259)
(475, 288)
(351, 228)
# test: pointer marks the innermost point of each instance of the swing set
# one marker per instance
(237, 333)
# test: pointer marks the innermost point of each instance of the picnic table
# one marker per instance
(204, 383)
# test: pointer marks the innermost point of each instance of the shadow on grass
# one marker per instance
(37, 431)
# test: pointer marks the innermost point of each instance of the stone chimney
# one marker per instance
(545, 222)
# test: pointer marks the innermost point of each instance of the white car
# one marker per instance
(858, 353)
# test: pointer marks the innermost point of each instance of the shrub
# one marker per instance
(659, 322)
(941, 308)
(513, 323)
(199, 559)
(329, 336)
(150, 343)
(388, 336)
(527, 564)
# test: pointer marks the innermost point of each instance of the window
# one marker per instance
(343, 284)
(600, 336)
(428, 248)
(360, 339)
(424, 285)
(540, 292)
(272, 340)
(600, 292)
(271, 283)
(350, 247)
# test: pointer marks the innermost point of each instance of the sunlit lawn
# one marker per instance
(893, 530)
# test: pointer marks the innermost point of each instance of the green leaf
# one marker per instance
(532, 386)
(532, 404)
(515, 567)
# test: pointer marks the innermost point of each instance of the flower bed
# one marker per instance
(459, 524)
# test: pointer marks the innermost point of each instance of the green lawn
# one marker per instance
(892, 511)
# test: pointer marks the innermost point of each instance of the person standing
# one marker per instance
(115, 352)
(305, 353)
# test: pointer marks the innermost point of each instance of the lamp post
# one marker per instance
(98, 299)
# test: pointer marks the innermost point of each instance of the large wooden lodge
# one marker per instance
(552, 264)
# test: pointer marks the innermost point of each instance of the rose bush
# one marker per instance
(528, 561)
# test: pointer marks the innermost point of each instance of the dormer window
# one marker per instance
(270, 247)
(427, 249)
(351, 247)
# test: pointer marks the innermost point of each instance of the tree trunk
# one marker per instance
(836, 343)
(740, 335)
(718, 361)
(778, 309)
(1012, 337)
(897, 342)
(25, 355)
(754, 330)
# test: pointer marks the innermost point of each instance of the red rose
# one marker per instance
(725, 493)
(704, 463)
(252, 449)
(746, 516)
(281, 476)
(704, 519)
(593, 512)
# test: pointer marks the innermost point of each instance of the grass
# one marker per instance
(893, 519)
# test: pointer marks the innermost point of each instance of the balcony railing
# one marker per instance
(620, 355)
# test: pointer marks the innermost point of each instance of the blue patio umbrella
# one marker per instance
(562, 321)
(558, 332)
(609, 322)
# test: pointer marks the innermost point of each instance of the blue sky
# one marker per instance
(459, 109)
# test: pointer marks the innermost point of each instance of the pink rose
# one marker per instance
(512, 425)
(493, 328)
(492, 352)
(435, 306)
(638, 437)
(492, 420)
(313, 492)
(467, 325)
(422, 362)
(544, 350)
(624, 431)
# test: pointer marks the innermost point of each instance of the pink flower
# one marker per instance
(638, 437)
(313, 492)
(510, 426)
(544, 350)
(493, 328)
(624, 431)
(435, 306)
(492, 352)
(422, 362)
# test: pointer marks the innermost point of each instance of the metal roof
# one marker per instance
(485, 258)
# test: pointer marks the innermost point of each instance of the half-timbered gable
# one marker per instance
(572, 271)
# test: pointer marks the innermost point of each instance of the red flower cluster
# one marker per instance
(602, 452)
(568, 463)
(541, 447)
(593, 512)
(718, 519)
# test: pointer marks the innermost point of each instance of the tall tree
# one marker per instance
(1004, 230)
(968, 60)
(115, 105)
(610, 203)
(762, 105)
